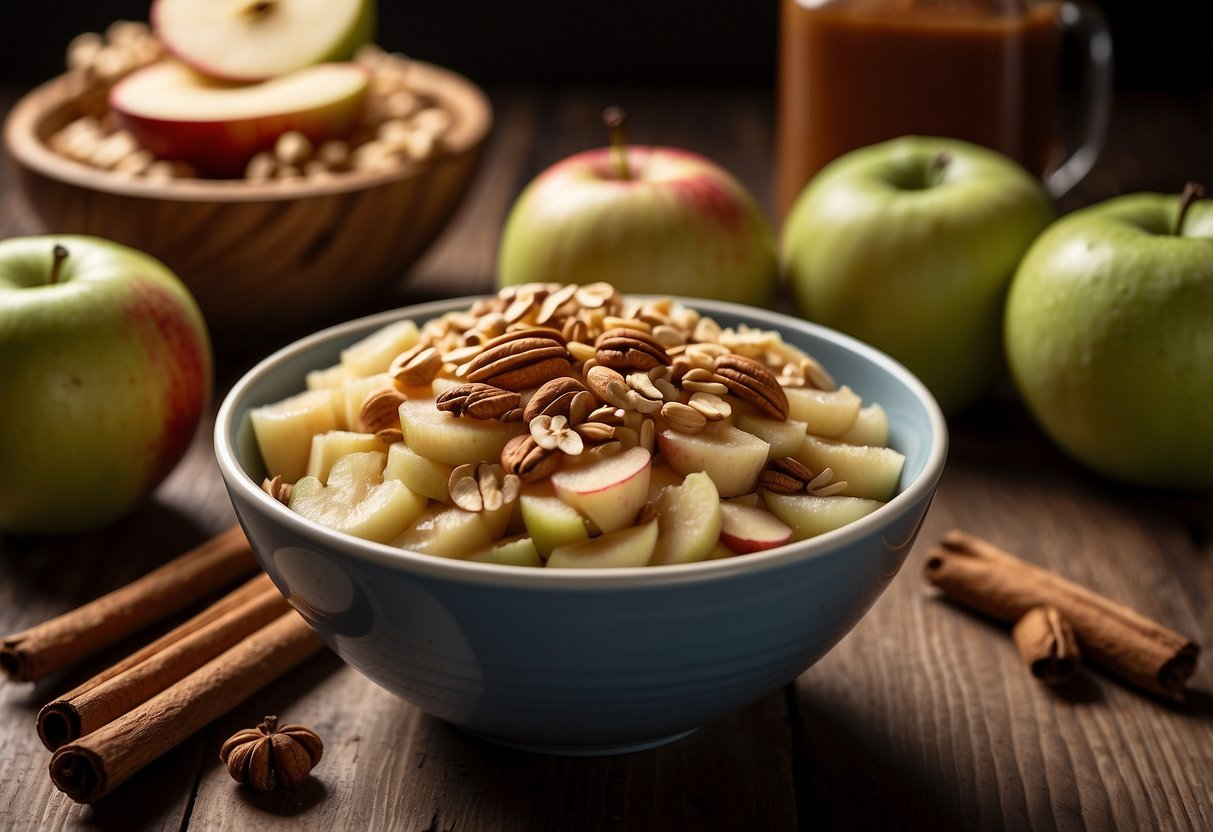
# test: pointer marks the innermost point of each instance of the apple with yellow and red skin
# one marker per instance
(105, 372)
(652, 220)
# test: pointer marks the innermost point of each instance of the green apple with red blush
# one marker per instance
(105, 372)
(647, 219)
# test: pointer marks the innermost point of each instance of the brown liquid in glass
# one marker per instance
(857, 74)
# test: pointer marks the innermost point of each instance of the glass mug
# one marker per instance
(857, 72)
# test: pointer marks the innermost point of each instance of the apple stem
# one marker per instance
(616, 121)
(938, 165)
(60, 254)
(1192, 192)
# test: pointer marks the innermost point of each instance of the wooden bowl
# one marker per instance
(271, 255)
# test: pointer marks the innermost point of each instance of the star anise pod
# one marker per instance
(269, 754)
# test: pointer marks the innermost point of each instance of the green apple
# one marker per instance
(217, 127)
(252, 40)
(1109, 337)
(105, 371)
(646, 219)
(910, 245)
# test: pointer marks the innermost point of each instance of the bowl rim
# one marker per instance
(470, 128)
(641, 577)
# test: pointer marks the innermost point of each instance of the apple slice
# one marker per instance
(425, 476)
(357, 500)
(353, 392)
(284, 430)
(688, 521)
(455, 440)
(329, 447)
(783, 437)
(810, 515)
(661, 477)
(375, 353)
(332, 377)
(549, 520)
(251, 40)
(451, 532)
(729, 455)
(178, 114)
(870, 471)
(753, 500)
(871, 427)
(608, 490)
(826, 412)
(746, 529)
(513, 551)
(630, 546)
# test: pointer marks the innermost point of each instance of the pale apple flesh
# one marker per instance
(179, 114)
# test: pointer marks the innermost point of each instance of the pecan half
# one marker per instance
(521, 360)
(752, 382)
(598, 378)
(630, 349)
(553, 398)
(380, 410)
(526, 459)
(479, 401)
(786, 476)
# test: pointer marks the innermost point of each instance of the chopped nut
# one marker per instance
(380, 410)
(525, 458)
(699, 380)
(554, 432)
(598, 378)
(630, 349)
(478, 401)
(752, 382)
(482, 487)
(712, 407)
(293, 148)
(785, 476)
(683, 418)
(554, 398)
(276, 488)
(261, 167)
(594, 295)
(417, 366)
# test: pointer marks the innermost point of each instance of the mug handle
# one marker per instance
(1088, 25)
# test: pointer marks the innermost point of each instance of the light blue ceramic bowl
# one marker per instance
(585, 661)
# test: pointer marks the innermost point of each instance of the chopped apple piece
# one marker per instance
(630, 546)
(455, 440)
(374, 353)
(783, 437)
(753, 500)
(810, 515)
(729, 455)
(284, 430)
(329, 447)
(720, 551)
(451, 532)
(746, 529)
(513, 551)
(661, 477)
(871, 427)
(826, 412)
(357, 501)
(353, 392)
(333, 376)
(870, 470)
(688, 521)
(425, 476)
(608, 490)
(549, 520)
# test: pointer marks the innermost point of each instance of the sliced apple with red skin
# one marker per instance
(629, 546)
(784, 436)
(425, 476)
(329, 447)
(746, 529)
(729, 455)
(251, 40)
(216, 127)
(826, 412)
(610, 490)
(549, 520)
(688, 521)
(870, 471)
(454, 440)
(357, 500)
(871, 427)
(284, 430)
(451, 532)
(810, 515)
(512, 551)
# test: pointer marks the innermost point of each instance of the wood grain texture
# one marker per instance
(922, 718)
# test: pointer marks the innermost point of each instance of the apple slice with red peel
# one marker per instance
(425, 476)
(826, 412)
(746, 529)
(688, 521)
(809, 515)
(454, 440)
(729, 455)
(251, 40)
(178, 114)
(609, 490)
(451, 532)
(549, 520)
(513, 551)
(629, 546)
(331, 446)
(284, 430)
(869, 470)
(784, 437)
(871, 427)
(357, 500)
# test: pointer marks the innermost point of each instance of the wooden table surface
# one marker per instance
(922, 718)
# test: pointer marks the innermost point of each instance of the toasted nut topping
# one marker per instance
(479, 401)
(595, 431)
(417, 366)
(523, 457)
(699, 380)
(683, 418)
(521, 360)
(785, 476)
(752, 382)
(482, 487)
(598, 378)
(554, 432)
(712, 407)
(380, 410)
(594, 295)
(630, 349)
(276, 488)
(553, 398)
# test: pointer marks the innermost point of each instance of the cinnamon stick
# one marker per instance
(988, 579)
(1047, 644)
(89, 768)
(145, 673)
(38, 651)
